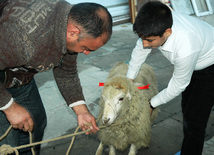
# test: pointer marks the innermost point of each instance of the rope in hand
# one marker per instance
(7, 149)
(72, 141)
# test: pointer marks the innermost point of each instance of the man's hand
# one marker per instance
(151, 111)
(19, 117)
(85, 119)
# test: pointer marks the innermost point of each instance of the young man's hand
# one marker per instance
(151, 107)
(19, 117)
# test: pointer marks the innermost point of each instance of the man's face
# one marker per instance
(85, 45)
(153, 41)
(156, 41)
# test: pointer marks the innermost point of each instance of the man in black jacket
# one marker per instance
(40, 35)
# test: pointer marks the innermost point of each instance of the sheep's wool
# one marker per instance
(134, 120)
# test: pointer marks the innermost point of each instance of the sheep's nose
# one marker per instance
(106, 121)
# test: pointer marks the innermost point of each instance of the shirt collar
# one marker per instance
(169, 44)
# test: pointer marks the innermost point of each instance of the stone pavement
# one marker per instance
(166, 131)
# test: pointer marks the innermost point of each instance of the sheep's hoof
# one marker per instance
(99, 152)
(133, 150)
(112, 150)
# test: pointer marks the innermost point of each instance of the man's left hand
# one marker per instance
(85, 119)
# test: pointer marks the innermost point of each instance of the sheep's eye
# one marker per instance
(121, 99)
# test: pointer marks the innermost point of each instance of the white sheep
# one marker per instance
(123, 104)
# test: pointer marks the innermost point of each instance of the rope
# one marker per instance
(7, 149)
(6, 133)
(73, 138)
(72, 141)
(31, 141)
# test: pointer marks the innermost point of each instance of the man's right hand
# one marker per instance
(19, 117)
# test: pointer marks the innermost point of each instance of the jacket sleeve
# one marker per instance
(5, 96)
(67, 79)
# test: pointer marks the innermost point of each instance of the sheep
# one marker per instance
(123, 104)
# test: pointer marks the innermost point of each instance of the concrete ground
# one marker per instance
(166, 131)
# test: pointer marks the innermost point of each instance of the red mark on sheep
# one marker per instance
(101, 84)
(142, 87)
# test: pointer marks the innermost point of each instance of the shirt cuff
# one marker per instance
(7, 105)
(155, 102)
(131, 74)
(77, 103)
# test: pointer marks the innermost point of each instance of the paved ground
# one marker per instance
(167, 129)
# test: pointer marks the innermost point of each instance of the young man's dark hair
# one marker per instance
(153, 19)
(94, 18)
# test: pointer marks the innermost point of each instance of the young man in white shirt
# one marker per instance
(188, 44)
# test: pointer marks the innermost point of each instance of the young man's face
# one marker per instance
(153, 41)
(156, 41)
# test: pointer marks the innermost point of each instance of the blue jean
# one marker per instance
(197, 103)
(27, 96)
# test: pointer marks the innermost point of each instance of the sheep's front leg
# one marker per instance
(112, 150)
(99, 149)
(133, 150)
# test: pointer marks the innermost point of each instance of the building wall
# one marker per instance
(119, 9)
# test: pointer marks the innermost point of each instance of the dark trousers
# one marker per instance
(197, 103)
(27, 96)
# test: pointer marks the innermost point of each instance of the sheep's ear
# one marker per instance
(128, 95)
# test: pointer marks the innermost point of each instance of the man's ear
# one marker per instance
(72, 32)
(168, 32)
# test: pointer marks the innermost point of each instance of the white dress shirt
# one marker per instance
(190, 47)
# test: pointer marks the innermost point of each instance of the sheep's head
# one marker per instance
(115, 93)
